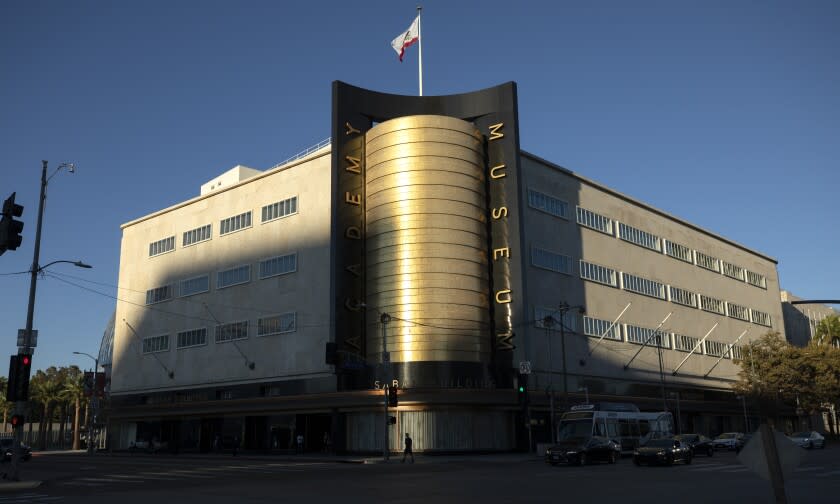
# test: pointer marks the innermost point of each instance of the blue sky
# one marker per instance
(723, 113)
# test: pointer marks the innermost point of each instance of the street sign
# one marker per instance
(21, 341)
(525, 367)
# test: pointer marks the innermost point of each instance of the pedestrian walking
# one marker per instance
(300, 443)
(407, 450)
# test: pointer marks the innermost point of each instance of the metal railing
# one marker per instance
(305, 152)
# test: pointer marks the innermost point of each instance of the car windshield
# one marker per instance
(575, 430)
(801, 434)
(660, 443)
(687, 437)
(727, 435)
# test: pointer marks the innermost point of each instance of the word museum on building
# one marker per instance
(420, 250)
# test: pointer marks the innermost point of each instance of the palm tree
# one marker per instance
(4, 404)
(46, 387)
(74, 392)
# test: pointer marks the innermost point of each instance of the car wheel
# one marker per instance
(613, 458)
(582, 459)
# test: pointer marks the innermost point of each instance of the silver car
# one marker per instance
(728, 441)
(808, 439)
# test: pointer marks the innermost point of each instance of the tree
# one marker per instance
(45, 389)
(828, 332)
(6, 405)
(74, 392)
(772, 369)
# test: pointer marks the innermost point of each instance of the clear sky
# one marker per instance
(723, 113)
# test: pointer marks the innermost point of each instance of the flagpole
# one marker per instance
(419, 52)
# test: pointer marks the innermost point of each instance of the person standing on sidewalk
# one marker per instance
(407, 450)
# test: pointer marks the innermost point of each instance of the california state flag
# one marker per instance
(407, 38)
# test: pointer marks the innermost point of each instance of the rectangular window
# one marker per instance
(279, 265)
(279, 209)
(233, 276)
(715, 348)
(736, 352)
(552, 261)
(733, 271)
(235, 223)
(682, 296)
(756, 279)
(711, 304)
(548, 204)
(641, 285)
(158, 294)
(639, 237)
(707, 261)
(597, 328)
(162, 246)
(278, 324)
(569, 322)
(600, 274)
(193, 337)
(644, 335)
(685, 343)
(678, 251)
(232, 331)
(737, 311)
(195, 285)
(196, 235)
(156, 344)
(760, 318)
(594, 221)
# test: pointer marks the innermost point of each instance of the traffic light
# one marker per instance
(393, 400)
(17, 420)
(10, 229)
(19, 368)
(522, 389)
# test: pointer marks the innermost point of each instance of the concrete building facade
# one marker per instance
(235, 319)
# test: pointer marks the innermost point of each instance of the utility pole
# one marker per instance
(548, 322)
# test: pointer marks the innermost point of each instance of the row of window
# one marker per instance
(626, 281)
(598, 222)
(227, 225)
(647, 336)
(266, 326)
(268, 268)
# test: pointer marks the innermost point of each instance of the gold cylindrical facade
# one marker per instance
(426, 240)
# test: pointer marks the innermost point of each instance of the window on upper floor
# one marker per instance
(194, 285)
(716, 349)
(737, 311)
(639, 237)
(597, 327)
(595, 221)
(192, 337)
(196, 235)
(641, 285)
(280, 209)
(760, 318)
(279, 265)
(706, 261)
(677, 251)
(711, 304)
(232, 331)
(159, 294)
(552, 261)
(162, 246)
(548, 204)
(647, 336)
(570, 323)
(233, 276)
(682, 296)
(153, 344)
(277, 324)
(685, 343)
(756, 279)
(596, 273)
(235, 223)
(733, 271)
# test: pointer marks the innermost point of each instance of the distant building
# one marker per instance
(258, 309)
(801, 319)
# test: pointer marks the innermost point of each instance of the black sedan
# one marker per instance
(6, 449)
(662, 451)
(699, 444)
(581, 451)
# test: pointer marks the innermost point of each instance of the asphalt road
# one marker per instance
(123, 479)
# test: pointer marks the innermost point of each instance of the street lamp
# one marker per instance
(27, 346)
(563, 309)
(94, 402)
(386, 362)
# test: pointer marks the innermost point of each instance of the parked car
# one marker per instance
(7, 444)
(728, 441)
(581, 451)
(743, 442)
(662, 451)
(808, 439)
(699, 444)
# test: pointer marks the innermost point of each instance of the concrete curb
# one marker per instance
(11, 486)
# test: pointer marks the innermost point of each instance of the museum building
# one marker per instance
(420, 250)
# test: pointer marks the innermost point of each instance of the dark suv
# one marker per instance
(7, 444)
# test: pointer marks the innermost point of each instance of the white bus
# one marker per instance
(621, 422)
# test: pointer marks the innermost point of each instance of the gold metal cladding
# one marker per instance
(426, 240)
